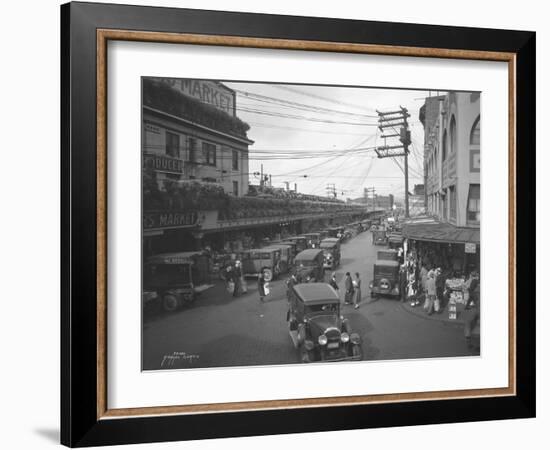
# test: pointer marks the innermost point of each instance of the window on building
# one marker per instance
(235, 160)
(192, 150)
(453, 137)
(444, 150)
(236, 188)
(474, 134)
(452, 202)
(172, 144)
(474, 205)
(209, 153)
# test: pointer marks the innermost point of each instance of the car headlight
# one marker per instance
(355, 339)
(322, 340)
(308, 345)
(344, 337)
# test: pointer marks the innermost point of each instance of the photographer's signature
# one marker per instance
(177, 358)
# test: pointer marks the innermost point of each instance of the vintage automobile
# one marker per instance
(323, 234)
(379, 237)
(336, 232)
(266, 260)
(300, 241)
(316, 327)
(366, 224)
(388, 254)
(168, 279)
(308, 266)
(331, 252)
(313, 239)
(348, 234)
(287, 254)
(395, 240)
(385, 278)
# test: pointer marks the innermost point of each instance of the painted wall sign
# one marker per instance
(470, 247)
(163, 163)
(215, 94)
(169, 220)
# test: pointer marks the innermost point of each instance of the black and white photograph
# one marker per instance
(292, 223)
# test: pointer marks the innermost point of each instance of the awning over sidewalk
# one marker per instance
(429, 229)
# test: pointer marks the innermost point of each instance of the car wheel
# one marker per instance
(268, 274)
(170, 303)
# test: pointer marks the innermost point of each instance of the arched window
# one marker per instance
(474, 134)
(452, 128)
(444, 149)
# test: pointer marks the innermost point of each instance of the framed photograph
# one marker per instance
(274, 224)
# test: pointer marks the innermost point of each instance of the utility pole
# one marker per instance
(397, 121)
(370, 190)
(331, 190)
(261, 175)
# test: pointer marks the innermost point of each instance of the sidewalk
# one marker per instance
(441, 316)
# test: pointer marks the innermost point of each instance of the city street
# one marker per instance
(220, 331)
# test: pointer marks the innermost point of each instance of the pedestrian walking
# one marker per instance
(430, 292)
(333, 282)
(422, 288)
(403, 282)
(230, 279)
(348, 284)
(357, 285)
(237, 278)
(290, 283)
(411, 287)
(261, 286)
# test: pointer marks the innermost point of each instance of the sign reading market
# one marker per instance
(166, 220)
(211, 92)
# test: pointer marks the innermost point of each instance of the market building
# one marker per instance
(191, 132)
(194, 155)
(452, 173)
(195, 164)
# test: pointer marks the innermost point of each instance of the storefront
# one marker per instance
(438, 244)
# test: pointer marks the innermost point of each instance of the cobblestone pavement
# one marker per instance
(220, 330)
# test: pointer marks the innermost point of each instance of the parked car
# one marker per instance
(388, 254)
(337, 232)
(331, 252)
(395, 240)
(308, 266)
(266, 260)
(316, 327)
(385, 279)
(301, 242)
(313, 239)
(379, 237)
(287, 255)
(168, 279)
(293, 249)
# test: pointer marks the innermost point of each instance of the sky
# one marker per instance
(316, 135)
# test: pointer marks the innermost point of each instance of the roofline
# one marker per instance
(189, 122)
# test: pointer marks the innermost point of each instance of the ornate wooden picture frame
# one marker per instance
(86, 416)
